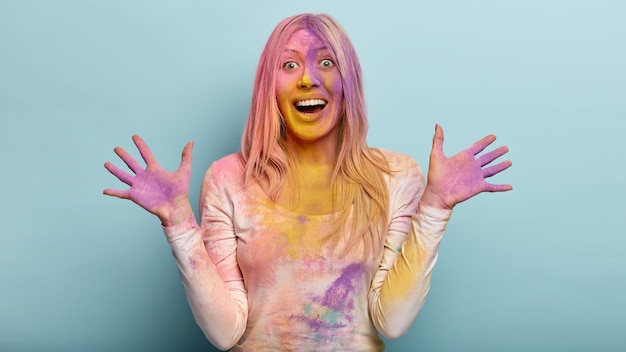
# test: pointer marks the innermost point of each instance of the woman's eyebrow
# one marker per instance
(316, 49)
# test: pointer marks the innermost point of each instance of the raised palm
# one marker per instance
(462, 176)
(162, 193)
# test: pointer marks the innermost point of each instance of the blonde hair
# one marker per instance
(360, 193)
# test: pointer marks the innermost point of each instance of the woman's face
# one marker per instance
(309, 89)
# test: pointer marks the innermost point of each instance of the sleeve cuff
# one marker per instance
(433, 213)
(178, 231)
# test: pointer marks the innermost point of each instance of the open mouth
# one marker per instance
(310, 106)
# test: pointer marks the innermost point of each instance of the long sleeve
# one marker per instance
(402, 281)
(206, 258)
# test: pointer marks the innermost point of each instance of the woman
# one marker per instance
(308, 238)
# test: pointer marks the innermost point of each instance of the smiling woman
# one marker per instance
(308, 238)
(309, 91)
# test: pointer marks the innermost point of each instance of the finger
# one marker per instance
(185, 161)
(116, 193)
(438, 140)
(498, 188)
(128, 159)
(145, 152)
(492, 155)
(492, 170)
(121, 175)
(480, 145)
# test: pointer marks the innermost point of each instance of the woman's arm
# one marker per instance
(219, 308)
(207, 259)
(402, 282)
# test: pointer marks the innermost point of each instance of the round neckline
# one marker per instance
(284, 210)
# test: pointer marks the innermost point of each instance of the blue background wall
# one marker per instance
(542, 268)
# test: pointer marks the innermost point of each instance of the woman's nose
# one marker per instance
(309, 77)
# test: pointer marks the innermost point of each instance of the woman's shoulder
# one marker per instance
(405, 179)
(230, 164)
(228, 172)
(398, 162)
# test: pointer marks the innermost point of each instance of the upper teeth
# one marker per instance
(310, 102)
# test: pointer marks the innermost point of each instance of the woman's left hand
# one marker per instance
(462, 176)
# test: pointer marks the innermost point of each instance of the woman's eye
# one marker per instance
(290, 65)
(326, 63)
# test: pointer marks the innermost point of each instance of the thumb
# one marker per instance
(185, 161)
(438, 141)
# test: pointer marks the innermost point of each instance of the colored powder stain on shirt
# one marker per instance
(328, 314)
(194, 263)
(337, 297)
(319, 317)
(412, 261)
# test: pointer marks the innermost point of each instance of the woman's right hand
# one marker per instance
(162, 193)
